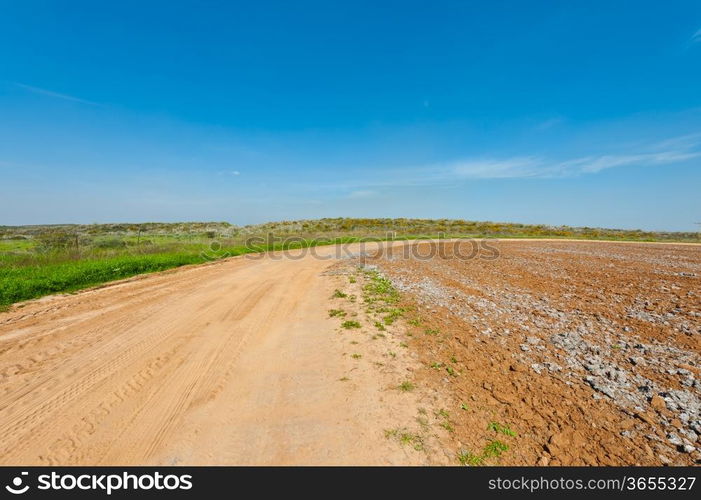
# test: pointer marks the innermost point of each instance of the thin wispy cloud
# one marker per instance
(362, 193)
(668, 152)
(696, 37)
(550, 123)
(496, 168)
(512, 168)
(681, 143)
(57, 95)
(676, 150)
(593, 165)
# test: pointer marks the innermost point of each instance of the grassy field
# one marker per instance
(41, 260)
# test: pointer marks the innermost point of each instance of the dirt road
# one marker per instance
(236, 362)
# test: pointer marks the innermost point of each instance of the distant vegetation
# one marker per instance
(453, 228)
(40, 260)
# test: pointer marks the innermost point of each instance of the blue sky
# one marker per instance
(579, 113)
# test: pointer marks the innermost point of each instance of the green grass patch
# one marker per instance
(468, 458)
(406, 438)
(393, 315)
(406, 386)
(28, 282)
(501, 429)
(447, 426)
(494, 449)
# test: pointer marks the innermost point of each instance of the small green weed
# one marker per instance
(406, 386)
(494, 449)
(405, 438)
(467, 458)
(501, 429)
(447, 426)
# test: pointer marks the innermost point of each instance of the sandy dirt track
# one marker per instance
(235, 362)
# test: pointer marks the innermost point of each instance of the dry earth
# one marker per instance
(562, 352)
(590, 352)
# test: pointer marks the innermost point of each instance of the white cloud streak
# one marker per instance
(696, 37)
(496, 168)
(57, 95)
(668, 152)
(362, 193)
(522, 167)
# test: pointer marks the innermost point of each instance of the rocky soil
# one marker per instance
(590, 352)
